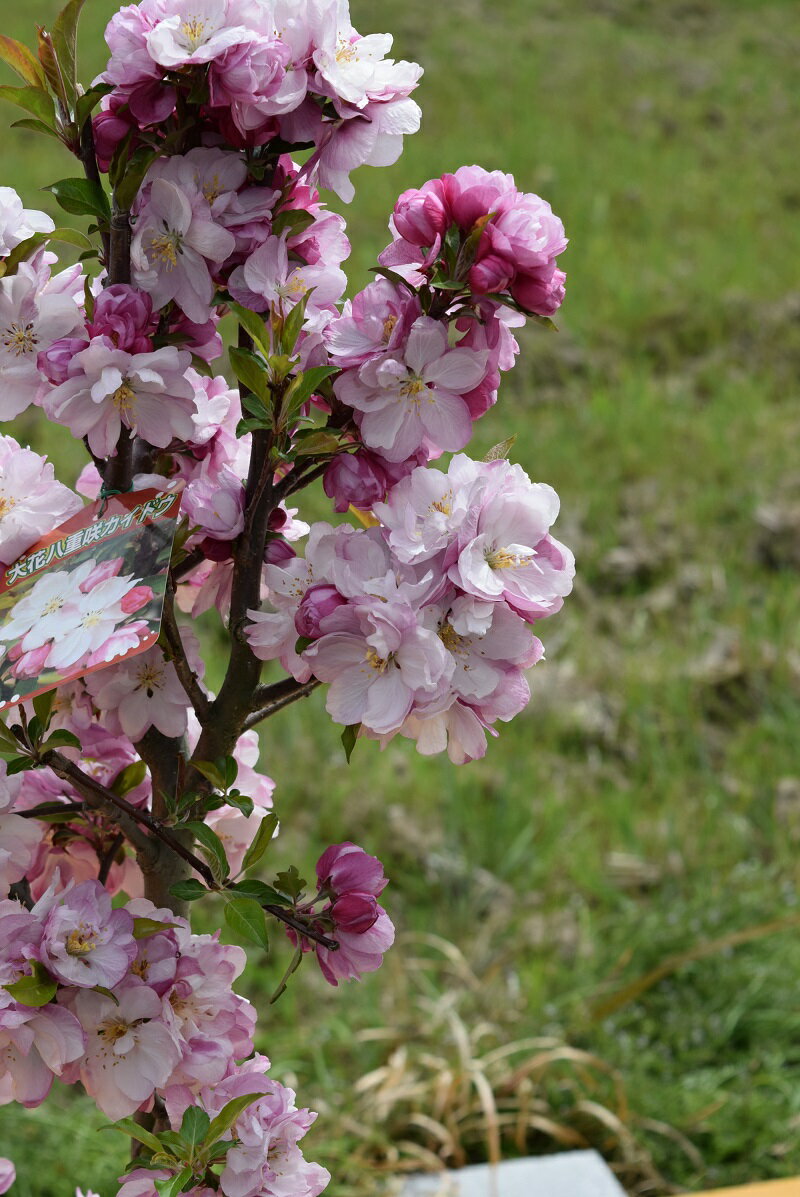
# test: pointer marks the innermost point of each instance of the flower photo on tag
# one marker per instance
(87, 595)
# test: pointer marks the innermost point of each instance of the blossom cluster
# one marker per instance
(257, 73)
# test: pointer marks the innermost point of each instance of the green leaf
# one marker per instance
(85, 104)
(393, 277)
(143, 928)
(228, 1115)
(316, 442)
(106, 993)
(241, 802)
(29, 122)
(22, 60)
(210, 771)
(228, 769)
(189, 890)
(251, 371)
(175, 1184)
(65, 36)
(212, 848)
(129, 778)
(293, 220)
(61, 738)
(349, 737)
(131, 1128)
(252, 425)
(43, 706)
(81, 197)
(127, 187)
(501, 450)
(7, 737)
(194, 1126)
(291, 882)
(253, 325)
(256, 407)
(264, 894)
(36, 990)
(246, 918)
(33, 100)
(20, 764)
(293, 324)
(304, 385)
(261, 841)
(71, 237)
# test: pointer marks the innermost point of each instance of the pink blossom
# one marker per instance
(142, 692)
(109, 389)
(317, 602)
(84, 941)
(376, 321)
(35, 1045)
(8, 1173)
(19, 838)
(125, 316)
(175, 240)
(33, 314)
(269, 280)
(17, 224)
(404, 400)
(214, 503)
(265, 1159)
(130, 1052)
(32, 502)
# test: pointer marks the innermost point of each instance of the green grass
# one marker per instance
(649, 798)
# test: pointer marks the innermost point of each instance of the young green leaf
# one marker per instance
(34, 100)
(43, 706)
(131, 1128)
(129, 778)
(211, 772)
(65, 38)
(174, 1184)
(349, 737)
(212, 848)
(253, 325)
(304, 385)
(143, 928)
(36, 990)
(189, 890)
(264, 894)
(240, 802)
(500, 451)
(61, 738)
(21, 60)
(290, 882)
(81, 197)
(228, 1115)
(194, 1126)
(246, 919)
(251, 371)
(261, 841)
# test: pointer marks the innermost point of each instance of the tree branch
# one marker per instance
(90, 169)
(186, 675)
(300, 928)
(268, 700)
(99, 797)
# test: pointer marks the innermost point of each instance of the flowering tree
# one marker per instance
(203, 146)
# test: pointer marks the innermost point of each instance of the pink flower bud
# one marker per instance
(101, 573)
(124, 315)
(540, 295)
(7, 1174)
(277, 551)
(318, 601)
(31, 664)
(490, 274)
(355, 478)
(137, 598)
(355, 912)
(421, 216)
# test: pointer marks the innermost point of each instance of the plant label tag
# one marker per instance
(87, 595)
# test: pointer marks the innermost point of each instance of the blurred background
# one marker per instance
(599, 921)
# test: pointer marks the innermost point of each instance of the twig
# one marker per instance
(51, 808)
(189, 563)
(186, 675)
(88, 158)
(108, 856)
(300, 927)
(271, 699)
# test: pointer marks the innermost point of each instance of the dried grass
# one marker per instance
(455, 1088)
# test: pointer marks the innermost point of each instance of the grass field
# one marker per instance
(647, 804)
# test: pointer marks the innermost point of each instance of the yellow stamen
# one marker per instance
(503, 559)
(124, 398)
(193, 30)
(20, 338)
(165, 248)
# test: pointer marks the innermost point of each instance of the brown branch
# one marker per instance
(300, 927)
(190, 562)
(88, 159)
(108, 857)
(271, 699)
(186, 675)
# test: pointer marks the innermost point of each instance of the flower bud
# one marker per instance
(355, 912)
(318, 601)
(420, 216)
